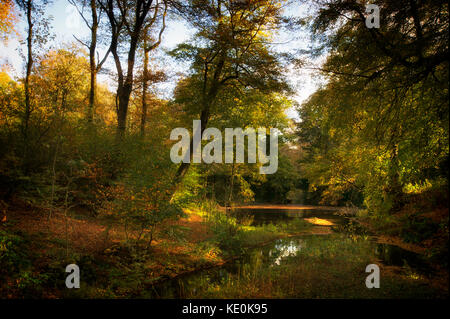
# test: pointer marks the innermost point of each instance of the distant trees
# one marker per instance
(8, 17)
(61, 82)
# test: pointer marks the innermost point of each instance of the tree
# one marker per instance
(380, 122)
(61, 81)
(10, 98)
(37, 34)
(234, 107)
(7, 18)
(128, 21)
(94, 65)
(411, 43)
(230, 51)
(147, 76)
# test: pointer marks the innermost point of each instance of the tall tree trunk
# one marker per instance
(208, 99)
(121, 21)
(92, 63)
(230, 194)
(124, 90)
(93, 86)
(394, 188)
(123, 95)
(29, 67)
(144, 89)
(184, 167)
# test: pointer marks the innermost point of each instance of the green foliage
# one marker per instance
(17, 268)
(323, 267)
(13, 257)
(277, 185)
(418, 228)
(379, 124)
(226, 232)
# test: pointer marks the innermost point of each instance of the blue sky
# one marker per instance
(66, 23)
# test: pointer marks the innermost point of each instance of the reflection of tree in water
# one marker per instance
(393, 255)
(194, 284)
(284, 249)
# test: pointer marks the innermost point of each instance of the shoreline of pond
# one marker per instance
(375, 237)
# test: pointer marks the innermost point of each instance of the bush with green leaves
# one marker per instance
(13, 255)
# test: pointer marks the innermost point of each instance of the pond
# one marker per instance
(264, 214)
(273, 254)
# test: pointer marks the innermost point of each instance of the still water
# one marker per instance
(266, 214)
(273, 254)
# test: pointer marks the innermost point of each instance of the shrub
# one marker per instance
(12, 254)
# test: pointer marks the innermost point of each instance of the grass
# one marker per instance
(326, 267)
(233, 236)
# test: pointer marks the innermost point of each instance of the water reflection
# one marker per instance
(274, 254)
(285, 249)
(271, 255)
(258, 216)
(396, 256)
